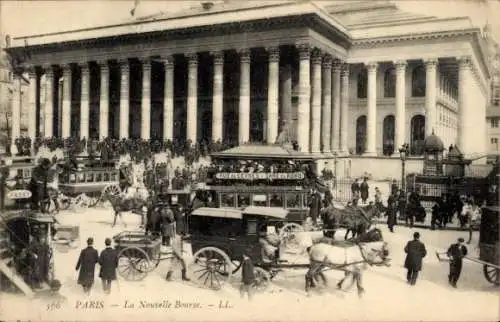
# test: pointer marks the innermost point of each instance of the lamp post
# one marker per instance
(403, 153)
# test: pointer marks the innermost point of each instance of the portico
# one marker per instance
(336, 88)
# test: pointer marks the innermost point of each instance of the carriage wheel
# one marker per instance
(210, 268)
(133, 264)
(287, 236)
(112, 189)
(492, 274)
(262, 279)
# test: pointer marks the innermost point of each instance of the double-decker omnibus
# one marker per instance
(262, 175)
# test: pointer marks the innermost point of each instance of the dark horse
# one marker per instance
(356, 219)
(121, 204)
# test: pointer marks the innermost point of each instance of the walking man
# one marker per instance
(86, 264)
(456, 253)
(108, 260)
(415, 251)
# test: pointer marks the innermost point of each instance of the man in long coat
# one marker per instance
(314, 206)
(86, 264)
(415, 251)
(363, 190)
(108, 260)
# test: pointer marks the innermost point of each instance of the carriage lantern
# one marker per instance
(403, 152)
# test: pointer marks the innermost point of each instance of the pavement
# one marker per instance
(387, 297)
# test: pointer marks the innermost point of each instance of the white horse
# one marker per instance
(352, 258)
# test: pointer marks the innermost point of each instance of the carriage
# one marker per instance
(274, 176)
(219, 237)
(89, 185)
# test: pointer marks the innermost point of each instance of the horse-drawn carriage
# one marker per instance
(94, 183)
(220, 237)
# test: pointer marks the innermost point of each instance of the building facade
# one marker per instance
(353, 78)
(8, 93)
(493, 111)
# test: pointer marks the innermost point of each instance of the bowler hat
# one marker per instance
(107, 241)
(90, 241)
(461, 240)
(416, 235)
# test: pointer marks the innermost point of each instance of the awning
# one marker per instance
(218, 212)
(275, 212)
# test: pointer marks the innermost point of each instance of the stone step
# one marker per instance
(17, 280)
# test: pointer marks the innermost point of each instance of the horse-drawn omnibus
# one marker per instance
(262, 176)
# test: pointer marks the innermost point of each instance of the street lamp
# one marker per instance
(403, 153)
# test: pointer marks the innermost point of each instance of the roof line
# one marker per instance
(143, 22)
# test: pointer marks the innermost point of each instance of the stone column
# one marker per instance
(286, 96)
(146, 100)
(400, 130)
(273, 95)
(335, 122)
(465, 122)
(49, 102)
(344, 108)
(16, 114)
(192, 98)
(66, 101)
(218, 94)
(304, 97)
(168, 102)
(104, 100)
(85, 103)
(326, 114)
(33, 79)
(430, 95)
(244, 104)
(316, 101)
(371, 119)
(124, 98)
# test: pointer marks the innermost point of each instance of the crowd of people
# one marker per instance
(109, 148)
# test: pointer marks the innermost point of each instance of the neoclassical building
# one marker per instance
(358, 78)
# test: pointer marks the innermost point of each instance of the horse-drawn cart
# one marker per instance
(139, 254)
(489, 245)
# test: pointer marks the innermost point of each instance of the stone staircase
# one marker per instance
(8, 271)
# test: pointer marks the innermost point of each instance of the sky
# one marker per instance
(21, 18)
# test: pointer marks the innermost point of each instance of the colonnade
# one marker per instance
(322, 111)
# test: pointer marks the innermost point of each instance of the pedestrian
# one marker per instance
(456, 253)
(355, 189)
(167, 225)
(86, 264)
(108, 260)
(247, 277)
(363, 189)
(394, 187)
(435, 215)
(391, 212)
(415, 251)
(402, 205)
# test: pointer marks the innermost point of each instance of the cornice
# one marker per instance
(368, 42)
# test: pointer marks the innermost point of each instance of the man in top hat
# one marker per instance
(415, 252)
(86, 264)
(108, 260)
(456, 253)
